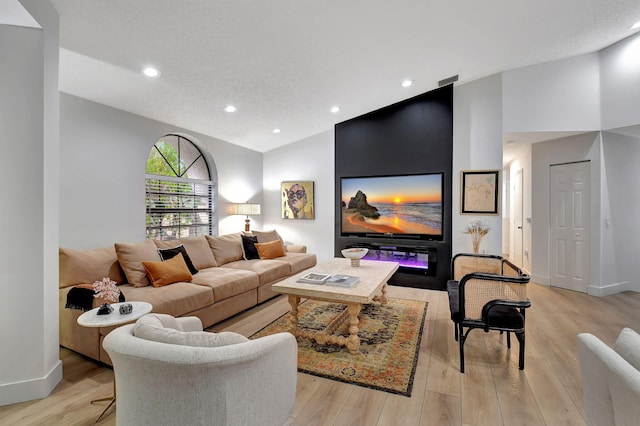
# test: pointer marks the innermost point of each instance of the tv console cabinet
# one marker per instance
(418, 263)
(417, 259)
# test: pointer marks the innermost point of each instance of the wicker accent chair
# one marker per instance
(487, 292)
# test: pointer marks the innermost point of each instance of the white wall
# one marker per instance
(311, 159)
(521, 161)
(620, 82)
(620, 206)
(103, 155)
(477, 145)
(28, 189)
(554, 96)
(544, 154)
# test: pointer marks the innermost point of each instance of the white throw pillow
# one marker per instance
(151, 328)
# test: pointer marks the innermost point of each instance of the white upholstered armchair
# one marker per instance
(200, 378)
(611, 379)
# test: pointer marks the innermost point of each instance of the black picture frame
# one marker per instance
(480, 192)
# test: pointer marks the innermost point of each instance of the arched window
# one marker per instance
(179, 190)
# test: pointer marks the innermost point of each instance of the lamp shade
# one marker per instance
(247, 209)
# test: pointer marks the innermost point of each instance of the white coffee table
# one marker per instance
(92, 319)
(371, 287)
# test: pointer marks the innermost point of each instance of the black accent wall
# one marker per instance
(410, 137)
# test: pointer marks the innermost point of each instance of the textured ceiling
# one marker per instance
(284, 63)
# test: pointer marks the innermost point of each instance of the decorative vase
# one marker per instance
(105, 309)
(476, 230)
(476, 245)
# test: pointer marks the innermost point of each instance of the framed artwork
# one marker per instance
(297, 200)
(480, 192)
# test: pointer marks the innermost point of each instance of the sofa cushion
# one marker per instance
(299, 261)
(226, 248)
(226, 282)
(170, 253)
(197, 248)
(150, 327)
(268, 236)
(168, 272)
(89, 266)
(177, 299)
(269, 270)
(249, 250)
(131, 256)
(270, 250)
(628, 346)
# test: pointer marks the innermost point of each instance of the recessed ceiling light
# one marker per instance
(635, 26)
(276, 130)
(407, 83)
(150, 72)
(230, 108)
(511, 143)
(335, 109)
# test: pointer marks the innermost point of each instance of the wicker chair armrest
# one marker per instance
(523, 279)
(493, 287)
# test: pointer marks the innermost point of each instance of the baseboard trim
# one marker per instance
(28, 390)
(539, 279)
(609, 289)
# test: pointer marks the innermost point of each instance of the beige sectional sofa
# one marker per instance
(224, 285)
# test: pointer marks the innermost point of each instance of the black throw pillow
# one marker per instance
(249, 250)
(166, 254)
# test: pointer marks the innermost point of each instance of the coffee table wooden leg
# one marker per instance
(294, 301)
(353, 342)
(383, 297)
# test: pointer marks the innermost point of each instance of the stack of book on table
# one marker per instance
(339, 280)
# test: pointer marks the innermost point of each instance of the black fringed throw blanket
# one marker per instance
(82, 298)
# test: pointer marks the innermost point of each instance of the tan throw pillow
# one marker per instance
(268, 236)
(87, 266)
(226, 248)
(270, 250)
(170, 271)
(131, 256)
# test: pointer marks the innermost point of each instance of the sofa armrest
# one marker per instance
(295, 248)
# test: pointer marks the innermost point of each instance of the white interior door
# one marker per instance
(517, 219)
(570, 226)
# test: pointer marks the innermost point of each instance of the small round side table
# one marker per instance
(92, 319)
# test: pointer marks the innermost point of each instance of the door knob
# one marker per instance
(519, 227)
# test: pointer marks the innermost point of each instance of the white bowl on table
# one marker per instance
(355, 254)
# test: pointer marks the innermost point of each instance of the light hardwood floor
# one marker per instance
(491, 392)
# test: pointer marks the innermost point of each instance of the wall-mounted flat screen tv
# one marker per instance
(407, 206)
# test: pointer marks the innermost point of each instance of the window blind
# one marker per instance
(177, 207)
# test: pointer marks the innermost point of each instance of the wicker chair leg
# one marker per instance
(508, 340)
(520, 337)
(461, 342)
(455, 330)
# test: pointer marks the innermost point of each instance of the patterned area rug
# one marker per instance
(390, 341)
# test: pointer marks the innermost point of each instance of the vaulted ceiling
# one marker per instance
(284, 63)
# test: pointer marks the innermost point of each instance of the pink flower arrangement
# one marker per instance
(106, 289)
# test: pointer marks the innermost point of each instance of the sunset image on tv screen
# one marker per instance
(392, 204)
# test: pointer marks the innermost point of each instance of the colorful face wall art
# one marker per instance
(297, 200)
